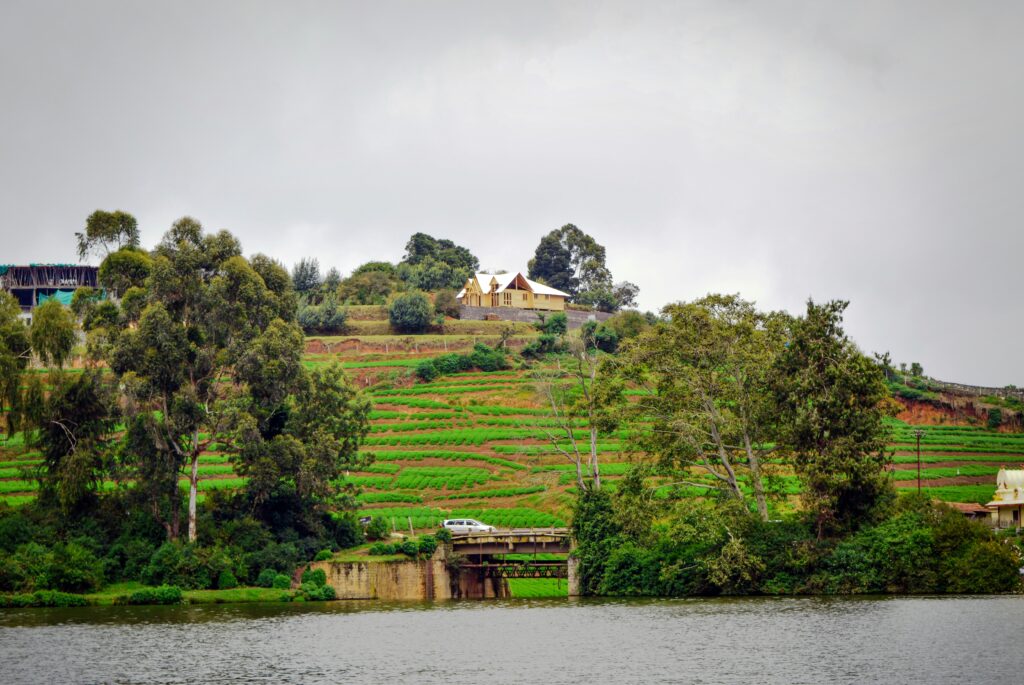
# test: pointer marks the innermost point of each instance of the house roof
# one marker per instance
(505, 280)
(969, 507)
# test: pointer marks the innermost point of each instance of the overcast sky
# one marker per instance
(784, 150)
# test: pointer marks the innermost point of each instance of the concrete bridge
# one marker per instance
(485, 571)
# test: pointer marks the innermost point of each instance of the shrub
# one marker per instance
(427, 545)
(226, 580)
(426, 370)
(410, 548)
(377, 528)
(443, 535)
(452, 363)
(73, 568)
(488, 359)
(555, 324)
(266, 578)
(165, 594)
(281, 582)
(410, 313)
(43, 598)
(315, 576)
(445, 303)
(995, 418)
(323, 555)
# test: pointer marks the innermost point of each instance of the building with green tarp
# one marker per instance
(35, 284)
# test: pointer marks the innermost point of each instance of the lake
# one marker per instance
(748, 640)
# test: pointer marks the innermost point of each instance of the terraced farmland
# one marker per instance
(958, 463)
(476, 444)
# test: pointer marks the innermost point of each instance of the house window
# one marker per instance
(524, 297)
(508, 299)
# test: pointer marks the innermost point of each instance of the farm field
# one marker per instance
(476, 444)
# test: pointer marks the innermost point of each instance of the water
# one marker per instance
(756, 640)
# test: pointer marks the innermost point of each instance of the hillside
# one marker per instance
(475, 444)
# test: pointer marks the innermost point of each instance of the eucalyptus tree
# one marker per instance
(706, 370)
(180, 364)
(107, 232)
(15, 353)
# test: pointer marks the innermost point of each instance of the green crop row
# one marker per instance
(428, 517)
(403, 455)
(7, 486)
(383, 497)
(416, 403)
(498, 492)
(440, 390)
(948, 472)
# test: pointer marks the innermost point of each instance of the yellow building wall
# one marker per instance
(517, 299)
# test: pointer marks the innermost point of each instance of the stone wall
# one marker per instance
(389, 580)
(575, 318)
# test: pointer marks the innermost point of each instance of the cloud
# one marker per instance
(783, 150)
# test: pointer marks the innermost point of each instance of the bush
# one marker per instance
(377, 528)
(281, 582)
(315, 576)
(266, 578)
(165, 594)
(316, 593)
(427, 545)
(447, 364)
(554, 324)
(443, 535)
(410, 313)
(73, 568)
(995, 418)
(426, 371)
(445, 303)
(226, 580)
(43, 598)
(410, 548)
(488, 359)
(323, 555)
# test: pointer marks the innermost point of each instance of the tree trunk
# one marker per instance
(193, 482)
(593, 458)
(755, 479)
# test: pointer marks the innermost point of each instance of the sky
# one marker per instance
(865, 151)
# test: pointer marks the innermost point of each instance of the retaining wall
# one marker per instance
(575, 317)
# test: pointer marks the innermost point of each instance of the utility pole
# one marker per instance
(918, 433)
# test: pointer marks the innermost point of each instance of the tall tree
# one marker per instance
(431, 263)
(831, 406)
(571, 260)
(577, 396)
(306, 275)
(707, 370)
(205, 308)
(15, 353)
(106, 232)
(53, 333)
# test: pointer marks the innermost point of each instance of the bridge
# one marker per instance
(486, 568)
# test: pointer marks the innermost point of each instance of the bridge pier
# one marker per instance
(574, 575)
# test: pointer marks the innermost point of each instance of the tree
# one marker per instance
(706, 370)
(206, 308)
(445, 303)
(53, 332)
(576, 395)
(15, 352)
(916, 370)
(830, 402)
(127, 267)
(432, 263)
(571, 260)
(106, 230)
(411, 313)
(306, 275)
(368, 287)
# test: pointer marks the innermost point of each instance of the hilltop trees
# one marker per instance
(431, 263)
(107, 230)
(571, 260)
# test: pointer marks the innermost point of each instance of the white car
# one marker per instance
(467, 526)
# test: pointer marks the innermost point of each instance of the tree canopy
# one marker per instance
(572, 261)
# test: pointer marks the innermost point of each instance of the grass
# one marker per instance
(529, 588)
